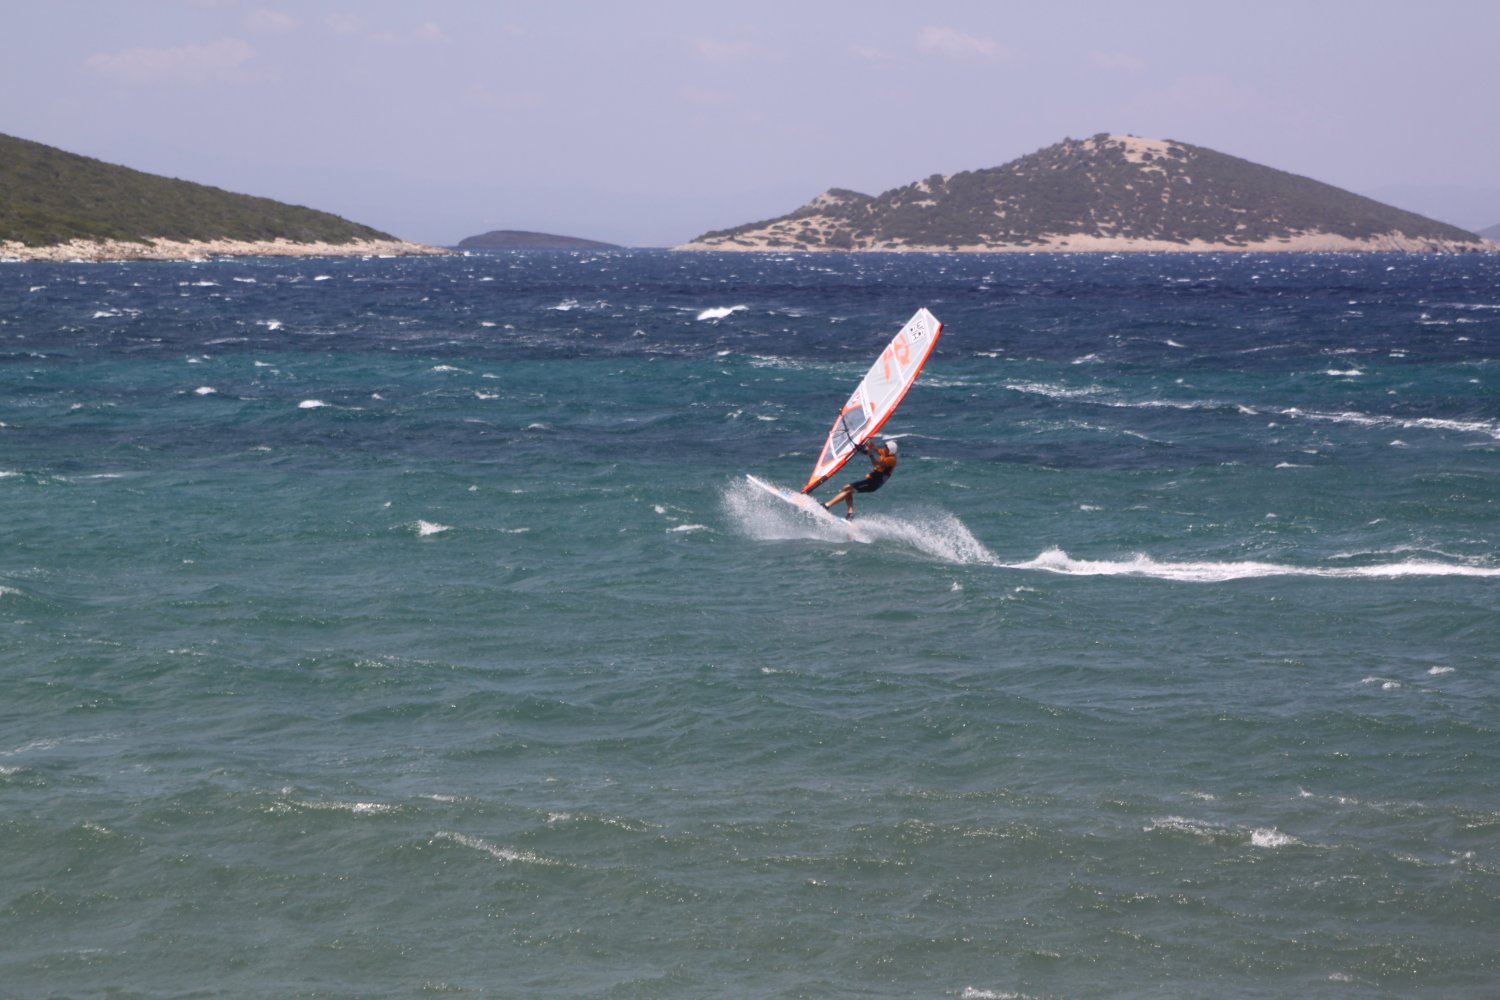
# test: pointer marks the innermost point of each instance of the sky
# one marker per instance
(648, 123)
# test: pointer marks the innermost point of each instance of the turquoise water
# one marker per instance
(389, 628)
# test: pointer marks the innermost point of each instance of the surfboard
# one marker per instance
(807, 505)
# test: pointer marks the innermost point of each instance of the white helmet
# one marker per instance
(890, 446)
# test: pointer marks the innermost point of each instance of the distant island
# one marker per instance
(1106, 193)
(56, 205)
(517, 239)
(1492, 233)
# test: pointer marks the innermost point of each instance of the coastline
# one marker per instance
(165, 249)
(772, 242)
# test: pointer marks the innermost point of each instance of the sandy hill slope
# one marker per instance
(1109, 193)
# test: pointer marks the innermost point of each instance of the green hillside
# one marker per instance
(1105, 187)
(48, 196)
(520, 239)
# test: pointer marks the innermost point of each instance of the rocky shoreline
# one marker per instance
(1088, 243)
(164, 249)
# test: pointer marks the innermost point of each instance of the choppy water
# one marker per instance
(400, 627)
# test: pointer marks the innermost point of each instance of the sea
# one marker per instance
(407, 627)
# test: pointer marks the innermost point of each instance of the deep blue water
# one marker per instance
(384, 628)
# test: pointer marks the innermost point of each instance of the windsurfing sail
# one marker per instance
(878, 394)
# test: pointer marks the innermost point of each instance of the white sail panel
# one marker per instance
(877, 395)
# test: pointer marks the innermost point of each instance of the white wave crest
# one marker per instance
(721, 312)
(425, 528)
(1268, 837)
(357, 808)
(1272, 837)
(1097, 396)
(508, 854)
(1055, 560)
(1488, 427)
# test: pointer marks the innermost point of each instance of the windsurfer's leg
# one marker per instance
(843, 494)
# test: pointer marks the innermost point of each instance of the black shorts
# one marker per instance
(869, 484)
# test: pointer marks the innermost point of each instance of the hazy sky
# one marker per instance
(648, 123)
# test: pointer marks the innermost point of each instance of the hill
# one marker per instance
(517, 239)
(50, 198)
(1492, 233)
(1108, 192)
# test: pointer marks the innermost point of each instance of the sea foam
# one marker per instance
(1055, 560)
(721, 312)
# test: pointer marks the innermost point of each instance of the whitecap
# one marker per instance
(357, 808)
(495, 851)
(205, 390)
(1055, 560)
(1271, 837)
(1179, 824)
(425, 528)
(269, 324)
(1491, 428)
(1439, 671)
(311, 404)
(721, 312)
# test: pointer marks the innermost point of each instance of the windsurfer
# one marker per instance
(884, 462)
